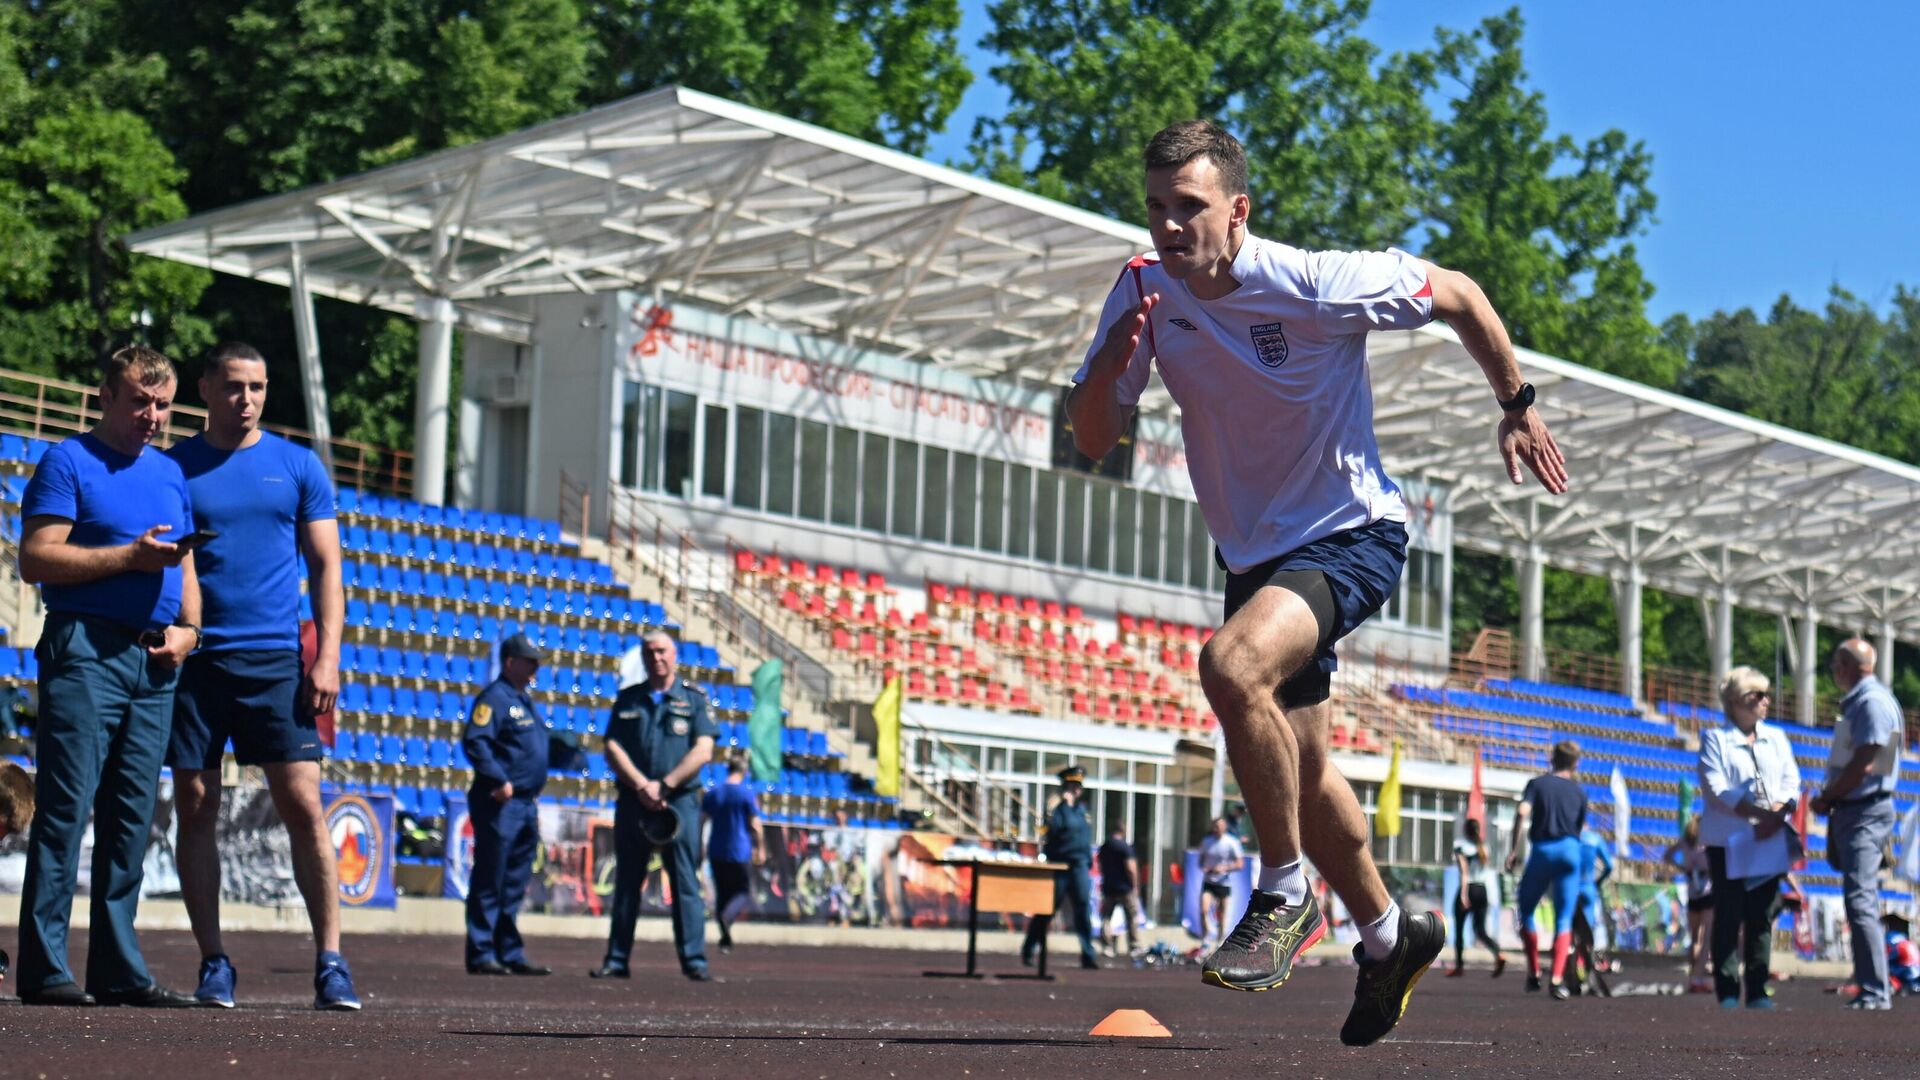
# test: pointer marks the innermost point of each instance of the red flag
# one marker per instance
(1477, 798)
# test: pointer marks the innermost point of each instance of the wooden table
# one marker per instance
(1013, 888)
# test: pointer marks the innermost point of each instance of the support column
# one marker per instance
(1626, 604)
(1806, 664)
(432, 396)
(1533, 652)
(307, 339)
(1721, 639)
(1884, 647)
(466, 470)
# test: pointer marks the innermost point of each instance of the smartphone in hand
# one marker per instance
(197, 539)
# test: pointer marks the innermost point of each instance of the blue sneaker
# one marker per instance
(1730, 1003)
(217, 978)
(1761, 1003)
(333, 985)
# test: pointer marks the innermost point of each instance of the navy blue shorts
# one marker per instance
(250, 697)
(1360, 569)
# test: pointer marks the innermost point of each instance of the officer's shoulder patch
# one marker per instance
(482, 714)
(696, 691)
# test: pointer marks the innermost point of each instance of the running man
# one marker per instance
(1551, 813)
(1263, 346)
(271, 505)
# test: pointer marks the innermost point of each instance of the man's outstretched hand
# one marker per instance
(1525, 438)
(1123, 338)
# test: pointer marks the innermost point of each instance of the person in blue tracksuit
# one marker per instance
(1069, 840)
(507, 743)
(1551, 813)
(659, 736)
(1596, 866)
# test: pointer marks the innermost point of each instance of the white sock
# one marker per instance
(1382, 934)
(1289, 881)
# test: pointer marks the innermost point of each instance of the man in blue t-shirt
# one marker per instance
(269, 502)
(122, 608)
(734, 841)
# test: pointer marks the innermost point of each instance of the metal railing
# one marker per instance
(47, 408)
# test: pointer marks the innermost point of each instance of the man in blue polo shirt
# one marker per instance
(734, 842)
(122, 608)
(270, 503)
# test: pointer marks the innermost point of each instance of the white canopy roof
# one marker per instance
(687, 196)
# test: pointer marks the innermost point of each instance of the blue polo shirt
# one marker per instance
(256, 498)
(112, 499)
(732, 809)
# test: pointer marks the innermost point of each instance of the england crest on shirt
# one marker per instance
(1269, 343)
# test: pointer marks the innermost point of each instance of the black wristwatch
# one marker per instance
(199, 636)
(1519, 401)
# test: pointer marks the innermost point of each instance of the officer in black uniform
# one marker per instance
(1069, 840)
(507, 743)
(660, 734)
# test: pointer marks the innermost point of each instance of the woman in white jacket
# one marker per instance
(1748, 783)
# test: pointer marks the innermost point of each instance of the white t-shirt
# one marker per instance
(1479, 870)
(1217, 853)
(1276, 407)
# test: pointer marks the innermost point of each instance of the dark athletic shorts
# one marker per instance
(250, 697)
(1219, 890)
(1700, 903)
(1344, 578)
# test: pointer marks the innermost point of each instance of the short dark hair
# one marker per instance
(737, 766)
(148, 367)
(1177, 144)
(1566, 754)
(229, 350)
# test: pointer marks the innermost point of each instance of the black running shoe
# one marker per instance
(1380, 998)
(1259, 954)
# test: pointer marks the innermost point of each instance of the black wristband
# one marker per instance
(1522, 399)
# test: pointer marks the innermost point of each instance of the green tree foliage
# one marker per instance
(885, 70)
(1543, 223)
(78, 172)
(1337, 137)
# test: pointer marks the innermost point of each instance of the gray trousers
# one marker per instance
(1856, 837)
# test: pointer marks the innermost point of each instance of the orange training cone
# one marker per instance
(1131, 1024)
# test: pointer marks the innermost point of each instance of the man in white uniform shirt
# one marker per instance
(1263, 347)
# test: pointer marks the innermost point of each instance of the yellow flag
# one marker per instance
(1386, 810)
(886, 739)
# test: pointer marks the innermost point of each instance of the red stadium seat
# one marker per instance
(1102, 708)
(936, 593)
(791, 600)
(797, 569)
(917, 682)
(1053, 612)
(894, 621)
(843, 609)
(997, 695)
(842, 641)
(984, 600)
(919, 624)
(1074, 614)
(1080, 706)
(970, 691)
(876, 583)
(1070, 642)
(816, 606)
(869, 614)
(963, 596)
(1030, 607)
(891, 648)
(1128, 624)
(943, 687)
(1021, 698)
(868, 646)
(743, 561)
(1123, 713)
(823, 575)
(849, 578)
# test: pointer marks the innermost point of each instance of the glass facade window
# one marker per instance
(933, 500)
(1126, 529)
(650, 459)
(846, 477)
(1046, 517)
(1019, 510)
(906, 486)
(1100, 538)
(1199, 548)
(814, 470)
(634, 434)
(713, 452)
(1150, 535)
(1174, 572)
(749, 427)
(1073, 512)
(780, 439)
(682, 413)
(993, 505)
(965, 495)
(873, 482)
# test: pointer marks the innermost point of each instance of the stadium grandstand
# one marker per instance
(791, 395)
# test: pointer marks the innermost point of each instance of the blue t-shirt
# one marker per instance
(112, 499)
(255, 498)
(732, 808)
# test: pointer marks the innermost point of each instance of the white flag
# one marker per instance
(1622, 814)
(1910, 845)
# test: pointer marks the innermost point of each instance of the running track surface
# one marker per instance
(840, 1012)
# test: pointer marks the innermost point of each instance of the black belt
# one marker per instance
(1866, 800)
(131, 631)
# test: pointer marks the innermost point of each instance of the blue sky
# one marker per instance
(1786, 145)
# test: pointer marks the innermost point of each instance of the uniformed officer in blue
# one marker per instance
(1069, 840)
(507, 743)
(660, 734)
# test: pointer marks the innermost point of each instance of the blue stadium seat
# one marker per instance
(366, 746)
(380, 699)
(439, 754)
(346, 499)
(357, 614)
(353, 697)
(406, 701)
(433, 803)
(415, 752)
(436, 666)
(344, 747)
(379, 542)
